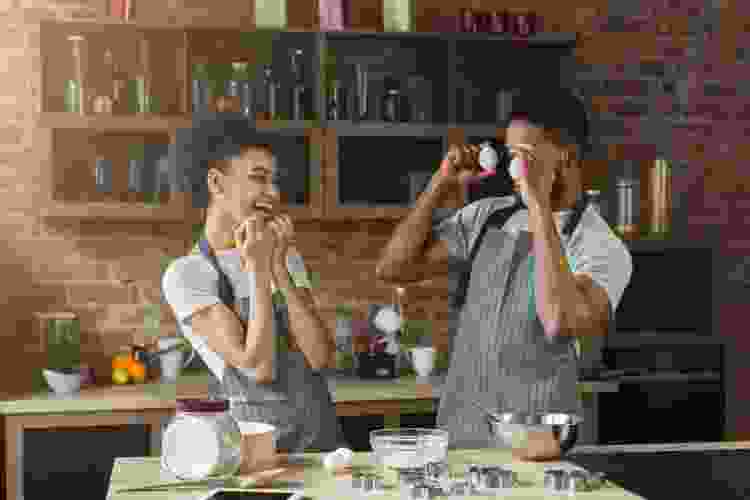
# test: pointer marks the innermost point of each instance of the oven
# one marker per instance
(667, 394)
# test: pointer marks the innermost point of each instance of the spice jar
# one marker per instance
(201, 441)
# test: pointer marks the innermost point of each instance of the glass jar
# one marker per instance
(202, 441)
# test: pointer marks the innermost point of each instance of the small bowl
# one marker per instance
(506, 427)
(399, 448)
(63, 381)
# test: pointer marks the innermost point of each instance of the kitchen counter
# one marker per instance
(153, 404)
(157, 396)
(136, 472)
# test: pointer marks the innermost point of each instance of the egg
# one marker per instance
(515, 168)
(338, 459)
(488, 158)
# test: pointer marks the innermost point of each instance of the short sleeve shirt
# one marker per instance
(593, 249)
(190, 283)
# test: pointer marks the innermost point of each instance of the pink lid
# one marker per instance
(202, 405)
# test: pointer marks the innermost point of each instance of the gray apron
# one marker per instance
(500, 357)
(298, 402)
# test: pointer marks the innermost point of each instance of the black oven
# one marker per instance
(670, 290)
(663, 353)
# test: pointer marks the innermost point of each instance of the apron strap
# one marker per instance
(226, 292)
(495, 219)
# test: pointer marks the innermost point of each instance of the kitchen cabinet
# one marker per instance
(71, 453)
(337, 157)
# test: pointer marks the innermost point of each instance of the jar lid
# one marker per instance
(202, 405)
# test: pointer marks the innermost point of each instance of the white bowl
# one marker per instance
(61, 382)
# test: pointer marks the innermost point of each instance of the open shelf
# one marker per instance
(146, 122)
(117, 211)
(113, 123)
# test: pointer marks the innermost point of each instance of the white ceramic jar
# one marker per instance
(201, 441)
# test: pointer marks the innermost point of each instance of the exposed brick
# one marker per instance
(102, 292)
(625, 88)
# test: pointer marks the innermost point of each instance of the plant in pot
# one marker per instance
(63, 372)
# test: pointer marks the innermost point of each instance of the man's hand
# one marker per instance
(538, 174)
(460, 164)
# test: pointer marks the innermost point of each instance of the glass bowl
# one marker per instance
(400, 449)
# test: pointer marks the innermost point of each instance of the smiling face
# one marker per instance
(245, 184)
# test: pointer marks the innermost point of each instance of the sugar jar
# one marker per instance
(201, 441)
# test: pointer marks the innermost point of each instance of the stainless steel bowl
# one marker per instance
(510, 428)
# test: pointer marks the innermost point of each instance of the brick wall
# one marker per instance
(636, 60)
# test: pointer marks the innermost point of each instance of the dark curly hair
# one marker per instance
(212, 139)
(554, 109)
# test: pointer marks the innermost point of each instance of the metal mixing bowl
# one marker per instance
(509, 428)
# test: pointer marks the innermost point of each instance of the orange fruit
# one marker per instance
(121, 361)
(137, 371)
(120, 376)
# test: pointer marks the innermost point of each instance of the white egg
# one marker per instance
(515, 168)
(488, 158)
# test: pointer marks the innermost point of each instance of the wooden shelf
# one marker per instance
(385, 129)
(359, 212)
(113, 123)
(115, 211)
(148, 122)
(557, 39)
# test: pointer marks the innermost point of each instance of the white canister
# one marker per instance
(202, 441)
(172, 363)
(423, 360)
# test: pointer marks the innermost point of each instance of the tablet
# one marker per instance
(237, 494)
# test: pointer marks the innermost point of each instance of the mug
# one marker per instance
(171, 363)
(258, 448)
(423, 360)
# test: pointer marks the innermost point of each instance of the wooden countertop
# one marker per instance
(158, 396)
(319, 484)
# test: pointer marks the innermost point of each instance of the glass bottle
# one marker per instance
(299, 91)
(336, 105)
(238, 87)
(140, 86)
(200, 89)
(75, 96)
(270, 94)
(398, 15)
(392, 111)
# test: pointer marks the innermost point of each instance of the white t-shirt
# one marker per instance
(191, 283)
(593, 249)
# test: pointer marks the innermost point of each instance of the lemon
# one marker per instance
(120, 376)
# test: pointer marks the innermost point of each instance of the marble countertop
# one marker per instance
(155, 395)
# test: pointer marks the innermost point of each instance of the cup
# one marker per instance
(423, 360)
(258, 446)
(171, 363)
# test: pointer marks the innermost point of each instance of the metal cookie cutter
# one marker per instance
(490, 478)
(555, 480)
(420, 489)
(367, 484)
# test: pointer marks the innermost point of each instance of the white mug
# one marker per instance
(423, 360)
(171, 363)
